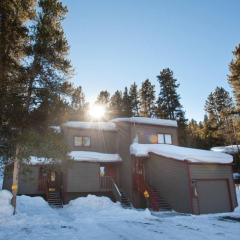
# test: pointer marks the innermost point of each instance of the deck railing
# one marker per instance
(105, 183)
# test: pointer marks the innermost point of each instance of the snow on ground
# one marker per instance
(180, 153)
(98, 218)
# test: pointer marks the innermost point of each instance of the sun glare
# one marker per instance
(97, 111)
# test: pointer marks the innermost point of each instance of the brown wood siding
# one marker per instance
(101, 141)
(124, 141)
(147, 132)
(215, 171)
(83, 177)
(170, 178)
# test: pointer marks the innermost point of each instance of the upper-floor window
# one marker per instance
(165, 138)
(80, 141)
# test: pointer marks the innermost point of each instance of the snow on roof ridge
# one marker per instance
(106, 126)
(88, 156)
(180, 153)
(230, 149)
(150, 121)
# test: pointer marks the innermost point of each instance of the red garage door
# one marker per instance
(213, 196)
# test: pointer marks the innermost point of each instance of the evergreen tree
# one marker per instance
(49, 70)
(147, 98)
(168, 103)
(134, 97)
(116, 104)
(218, 104)
(126, 102)
(234, 76)
(78, 101)
(103, 98)
(14, 47)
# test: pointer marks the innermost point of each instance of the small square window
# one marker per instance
(86, 141)
(168, 139)
(164, 138)
(78, 141)
(161, 138)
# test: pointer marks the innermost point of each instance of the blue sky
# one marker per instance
(114, 43)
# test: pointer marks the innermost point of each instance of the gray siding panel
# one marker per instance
(28, 180)
(170, 178)
(101, 141)
(83, 177)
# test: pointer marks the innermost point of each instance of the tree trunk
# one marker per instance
(15, 180)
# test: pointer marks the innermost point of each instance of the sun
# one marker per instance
(97, 111)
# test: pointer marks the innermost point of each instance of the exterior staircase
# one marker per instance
(155, 201)
(124, 200)
(159, 202)
(54, 200)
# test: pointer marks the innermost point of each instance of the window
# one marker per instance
(86, 141)
(82, 141)
(165, 138)
(77, 141)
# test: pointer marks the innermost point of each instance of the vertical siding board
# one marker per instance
(83, 177)
(101, 141)
(170, 178)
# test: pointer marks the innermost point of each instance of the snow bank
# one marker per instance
(94, 156)
(102, 207)
(150, 121)
(32, 206)
(6, 208)
(180, 153)
(231, 149)
(105, 126)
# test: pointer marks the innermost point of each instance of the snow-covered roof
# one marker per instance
(87, 156)
(56, 129)
(34, 160)
(150, 121)
(105, 126)
(231, 149)
(180, 153)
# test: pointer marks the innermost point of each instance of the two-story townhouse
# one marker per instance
(136, 159)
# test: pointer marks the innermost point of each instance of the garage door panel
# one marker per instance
(213, 196)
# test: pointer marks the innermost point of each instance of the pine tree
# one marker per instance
(78, 99)
(218, 106)
(127, 107)
(234, 76)
(168, 103)
(134, 97)
(103, 98)
(50, 68)
(14, 47)
(147, 98)
(116, 104)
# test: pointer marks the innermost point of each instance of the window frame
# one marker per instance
(164, 138)
(82, 142)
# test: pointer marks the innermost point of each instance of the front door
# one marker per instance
(53, 181)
